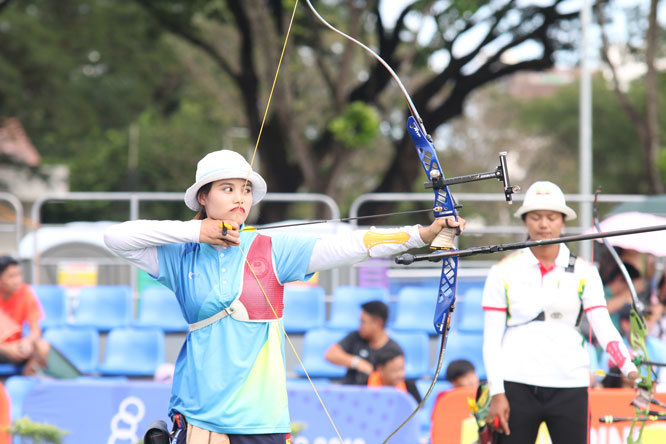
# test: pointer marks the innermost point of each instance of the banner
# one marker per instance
(118, 412)
(451, 422)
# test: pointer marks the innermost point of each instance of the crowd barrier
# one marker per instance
(118, 412)
(452, 422)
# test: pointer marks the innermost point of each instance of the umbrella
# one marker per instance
(653, 242)
(651, 204)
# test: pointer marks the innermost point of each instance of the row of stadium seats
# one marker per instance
(129, 351)
(138, 352)
(107, 307)
(416, 346)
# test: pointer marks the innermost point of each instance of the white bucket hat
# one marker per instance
(545, 195)
(224, 164)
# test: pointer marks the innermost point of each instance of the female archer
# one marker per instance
(535, 358)
(230, 380)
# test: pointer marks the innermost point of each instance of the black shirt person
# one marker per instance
(357, 350)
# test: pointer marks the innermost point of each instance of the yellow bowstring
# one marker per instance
(247, 179)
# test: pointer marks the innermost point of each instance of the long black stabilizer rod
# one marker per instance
(651, 417)
(407, 258)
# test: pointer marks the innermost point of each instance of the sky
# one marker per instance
(617, 30)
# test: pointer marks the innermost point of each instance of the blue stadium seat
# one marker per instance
(304, 308)
(159, 308)
(415, 309)
(315, 344)
(468, 314)
(54, 302)
(346, 305)
(17, 387)
(416, 347)
(79, 345)
(133, 352)
(104, 307)
(463, 345)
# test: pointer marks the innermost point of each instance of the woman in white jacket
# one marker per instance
(229, 382)
(535, 358)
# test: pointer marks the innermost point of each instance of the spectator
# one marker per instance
(656, 349)
(18, 304)
(461, 373)
(357, 350)
(390, 372)
(616, 289)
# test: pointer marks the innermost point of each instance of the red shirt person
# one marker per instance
(19, 305)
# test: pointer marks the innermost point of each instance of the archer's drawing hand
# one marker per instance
(213, 232)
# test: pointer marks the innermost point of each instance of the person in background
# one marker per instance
(461, 373)
(617, 291)
(18, 305)
(533, 300)
(358, 349)
(390, 372)
(656, 349)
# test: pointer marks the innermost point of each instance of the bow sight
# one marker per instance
(438, 183)
(501, 173)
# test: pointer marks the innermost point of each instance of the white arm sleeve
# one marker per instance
(606, 334)
(137, 241)
(493, 330)
(347, 249)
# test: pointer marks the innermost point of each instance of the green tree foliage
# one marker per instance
(79, 74)
(356, 126)
(617, 154)
(303, 141)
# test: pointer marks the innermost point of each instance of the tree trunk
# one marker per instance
(652, 143)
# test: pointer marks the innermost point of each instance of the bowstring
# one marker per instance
(247, 262)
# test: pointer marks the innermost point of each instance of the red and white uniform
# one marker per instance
(548, 352)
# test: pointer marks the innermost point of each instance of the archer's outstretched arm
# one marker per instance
(351, 248)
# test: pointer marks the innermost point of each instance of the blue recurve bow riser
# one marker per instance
(443, 206)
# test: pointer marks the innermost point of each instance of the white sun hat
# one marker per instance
(544, 195)
(224, 164)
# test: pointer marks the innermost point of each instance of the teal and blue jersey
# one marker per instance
(230, 376)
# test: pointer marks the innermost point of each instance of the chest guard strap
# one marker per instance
(251, 304)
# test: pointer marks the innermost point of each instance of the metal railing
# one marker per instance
(135, 200)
